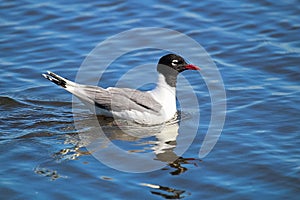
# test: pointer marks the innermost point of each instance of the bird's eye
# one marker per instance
(174, 63)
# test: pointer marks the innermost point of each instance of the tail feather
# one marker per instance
(72, 87)
(58, 80)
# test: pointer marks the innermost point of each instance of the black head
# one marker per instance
(176, 63)
(171, 65)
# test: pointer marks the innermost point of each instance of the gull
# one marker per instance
(144, 107)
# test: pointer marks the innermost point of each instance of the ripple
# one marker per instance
(256, 48)
(8, 103)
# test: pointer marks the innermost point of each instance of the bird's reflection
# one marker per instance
(165, 192)
(161, 140)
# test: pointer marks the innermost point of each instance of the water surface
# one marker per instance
(255, 45)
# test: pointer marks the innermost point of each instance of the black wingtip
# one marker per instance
(55, 79)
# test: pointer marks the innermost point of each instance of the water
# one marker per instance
(255, 45)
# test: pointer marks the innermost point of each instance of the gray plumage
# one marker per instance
(110, 99)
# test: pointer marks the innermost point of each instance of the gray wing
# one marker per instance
(111, 99)
(119, 99)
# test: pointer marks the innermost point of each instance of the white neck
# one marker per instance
(163, 88)
(165, 95)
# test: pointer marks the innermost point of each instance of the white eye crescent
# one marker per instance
(174, 63)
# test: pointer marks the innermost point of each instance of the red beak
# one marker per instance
(191, 67)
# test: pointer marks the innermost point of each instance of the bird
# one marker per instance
(151, 107)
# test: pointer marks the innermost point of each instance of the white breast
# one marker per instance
(166, 96)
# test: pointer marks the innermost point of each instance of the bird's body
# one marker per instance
(150, 107)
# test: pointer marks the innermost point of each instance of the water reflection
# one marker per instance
(166, 192)
(157, 143)
(52, 174)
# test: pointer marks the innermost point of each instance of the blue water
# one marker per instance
(256, 47)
